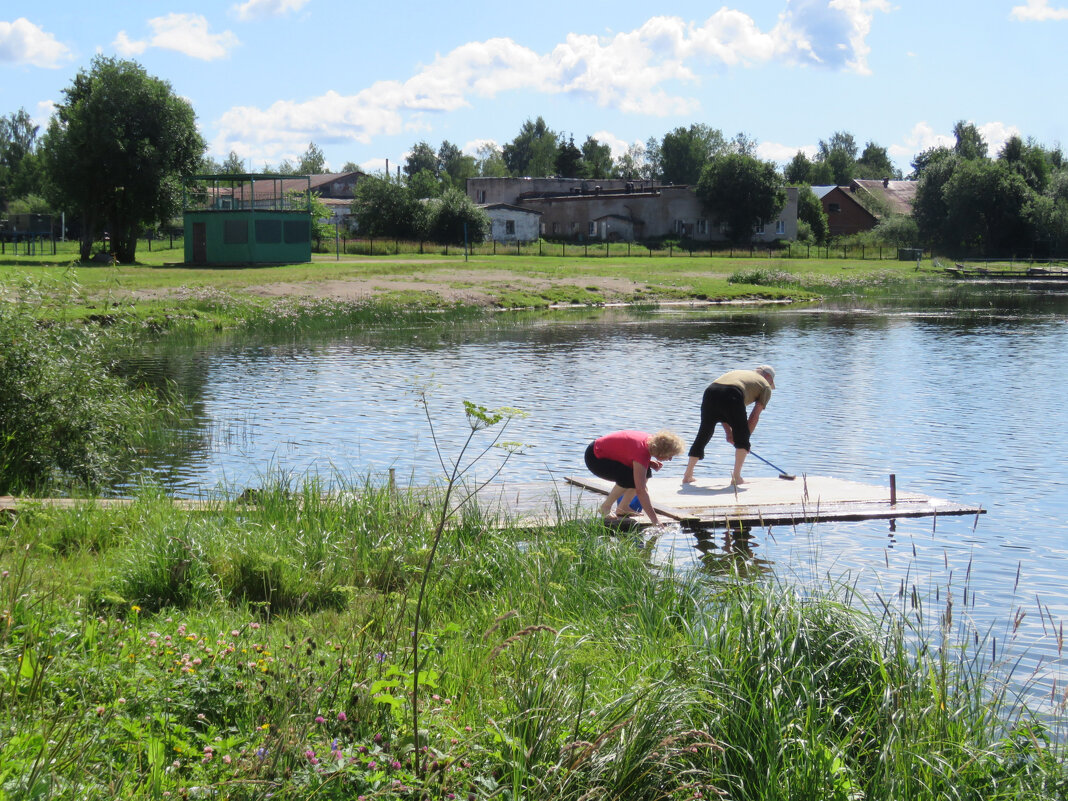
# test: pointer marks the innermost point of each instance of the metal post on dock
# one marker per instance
(893, 489)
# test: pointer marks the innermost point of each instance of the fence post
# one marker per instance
(517, 250)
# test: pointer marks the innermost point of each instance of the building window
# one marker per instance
(509, 227)
(480, 195)
(833, 208)
(780, 227)
(269, 232)
(759, 228)
(297, 232)
(723, 227)
(556, 227)
(592, 230)
(235, 232)
(702, 226)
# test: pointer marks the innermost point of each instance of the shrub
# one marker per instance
(63, 414)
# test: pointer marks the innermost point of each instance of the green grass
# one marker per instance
(265, 650)
(161, 293)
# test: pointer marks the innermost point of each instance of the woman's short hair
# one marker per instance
(665, 444)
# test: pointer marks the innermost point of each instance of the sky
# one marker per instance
(366, 81)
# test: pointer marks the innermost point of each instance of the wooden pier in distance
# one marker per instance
(709, 503)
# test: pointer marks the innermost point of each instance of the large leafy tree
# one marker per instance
(684, 152)
(741, 191)
(633, 164)
(455, 219)
(874, 162)
(19, 172)
(421, 157)
(569, 160)
(312, 161)
(388, 209)
(970, 143)
(810, 211)
(985, 204)
(115, 152)
(489, 161)
(836, 160)
(933, 168)
(596, 159)
(799, 170)
(455, 166)
(533, 151)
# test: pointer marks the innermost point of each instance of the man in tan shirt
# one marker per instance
(725, 401)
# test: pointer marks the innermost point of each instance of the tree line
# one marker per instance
(120, 140)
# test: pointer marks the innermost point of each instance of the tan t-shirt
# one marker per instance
(753, 385)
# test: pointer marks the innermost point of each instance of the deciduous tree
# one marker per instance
(455, 219)
(115, 152)
(20, 173)
(533, 151)
(799, 170)
(569, 160)
(596, 159)
(685, 152)
(312, 161)
(741, 191)
(970, 143)
(388, 209)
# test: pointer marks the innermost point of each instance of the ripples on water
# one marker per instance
(966, 405)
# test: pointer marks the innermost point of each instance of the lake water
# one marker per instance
(968, 405)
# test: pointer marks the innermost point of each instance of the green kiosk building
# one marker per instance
(247, 219)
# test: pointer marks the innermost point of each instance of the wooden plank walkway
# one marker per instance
(708, 503)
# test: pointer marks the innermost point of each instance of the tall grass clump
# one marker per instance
(64, 416)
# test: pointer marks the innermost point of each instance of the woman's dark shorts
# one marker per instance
(610, 469)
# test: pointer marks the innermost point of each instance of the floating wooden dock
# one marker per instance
(708, 503)
(763, 502)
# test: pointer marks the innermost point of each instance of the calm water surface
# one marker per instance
(969, 406)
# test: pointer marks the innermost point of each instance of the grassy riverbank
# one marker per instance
(160, 293)
(266, 652)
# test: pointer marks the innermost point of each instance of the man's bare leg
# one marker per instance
(739, 460)
(687, 477)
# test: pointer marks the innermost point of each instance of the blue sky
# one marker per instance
(365, 81)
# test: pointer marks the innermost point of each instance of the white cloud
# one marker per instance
(995, 134)
(831, 34)
(923, 137)
(22, 42)
(476, 147)
(256, 9)
(125, 46)
(782, 154)
(184, 33)
(1038, 11)
(619, 147)
(639, 71)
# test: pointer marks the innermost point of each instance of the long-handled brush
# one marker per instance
(782, 473)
